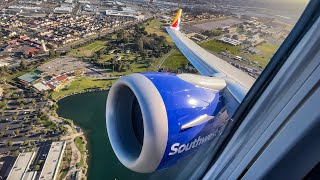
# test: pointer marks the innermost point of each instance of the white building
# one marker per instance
(20, 169)
(53, 161)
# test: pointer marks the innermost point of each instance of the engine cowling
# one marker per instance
(155, 120)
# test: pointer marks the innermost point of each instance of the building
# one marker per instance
(58, 83)
(253, 50)
(124, 14)
(41, 87)
(30, 78)
(20, 169)
(53, 161)
(230, 41)
(64, 9)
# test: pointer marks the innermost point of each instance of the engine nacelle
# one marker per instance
(155, 120)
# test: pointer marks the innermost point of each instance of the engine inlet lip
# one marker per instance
(155, 124)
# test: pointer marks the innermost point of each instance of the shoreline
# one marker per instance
(73, 125)
(81, 92)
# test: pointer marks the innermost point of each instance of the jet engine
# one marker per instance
(155, 120)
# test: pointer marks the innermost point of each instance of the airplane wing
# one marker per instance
(206, 63)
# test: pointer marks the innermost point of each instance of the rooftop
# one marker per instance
(52, 163)
(21, 166)
(41, 87)
(31, 76)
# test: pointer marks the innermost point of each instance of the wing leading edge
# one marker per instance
(206, 63)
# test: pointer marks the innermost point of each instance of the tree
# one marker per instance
(143, 55)
(26, 119)
(14, 96)
(19, 100)
(52, 53)
(9, 143)
(21, 95)
(23, 65)
(16, 153)
(37, 168)
(1, 133)
(3, 105)
(129, 67)
(55, 106)
(21, 105)
(139, 44)
(16, 132)
(14, 118)
(45, 94)
(38, 119)
(26, 142)
(33, 101)
(45, 131)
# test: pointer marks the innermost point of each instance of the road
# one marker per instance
(164, 59)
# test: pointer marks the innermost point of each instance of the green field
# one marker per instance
(175, 61)
(95, 45)
(81, 85)
(267, 50)
(217, 47)
(157, 27)
(87, 50)
(130, 56)
(262, 59)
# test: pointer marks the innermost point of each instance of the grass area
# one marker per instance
(87, 50)
(124, 56)
(139, 68)
(80, 145)
(157, 27)
(95, 45)
(263, 58)
(217, 47)
(175, 61)
(65, 164)
(268, 49)
(106, 57)
(135, 69)
(81, 85)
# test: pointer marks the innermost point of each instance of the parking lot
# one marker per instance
(17, 124)
(64, 65)
(69, 64)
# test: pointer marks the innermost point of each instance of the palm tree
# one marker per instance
(21, 106)
(16, 132)
(33, 101)
(26, 119)
(9, 143)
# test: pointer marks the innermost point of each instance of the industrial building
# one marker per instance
(20, 169)
(53, 161)
(230, 41)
